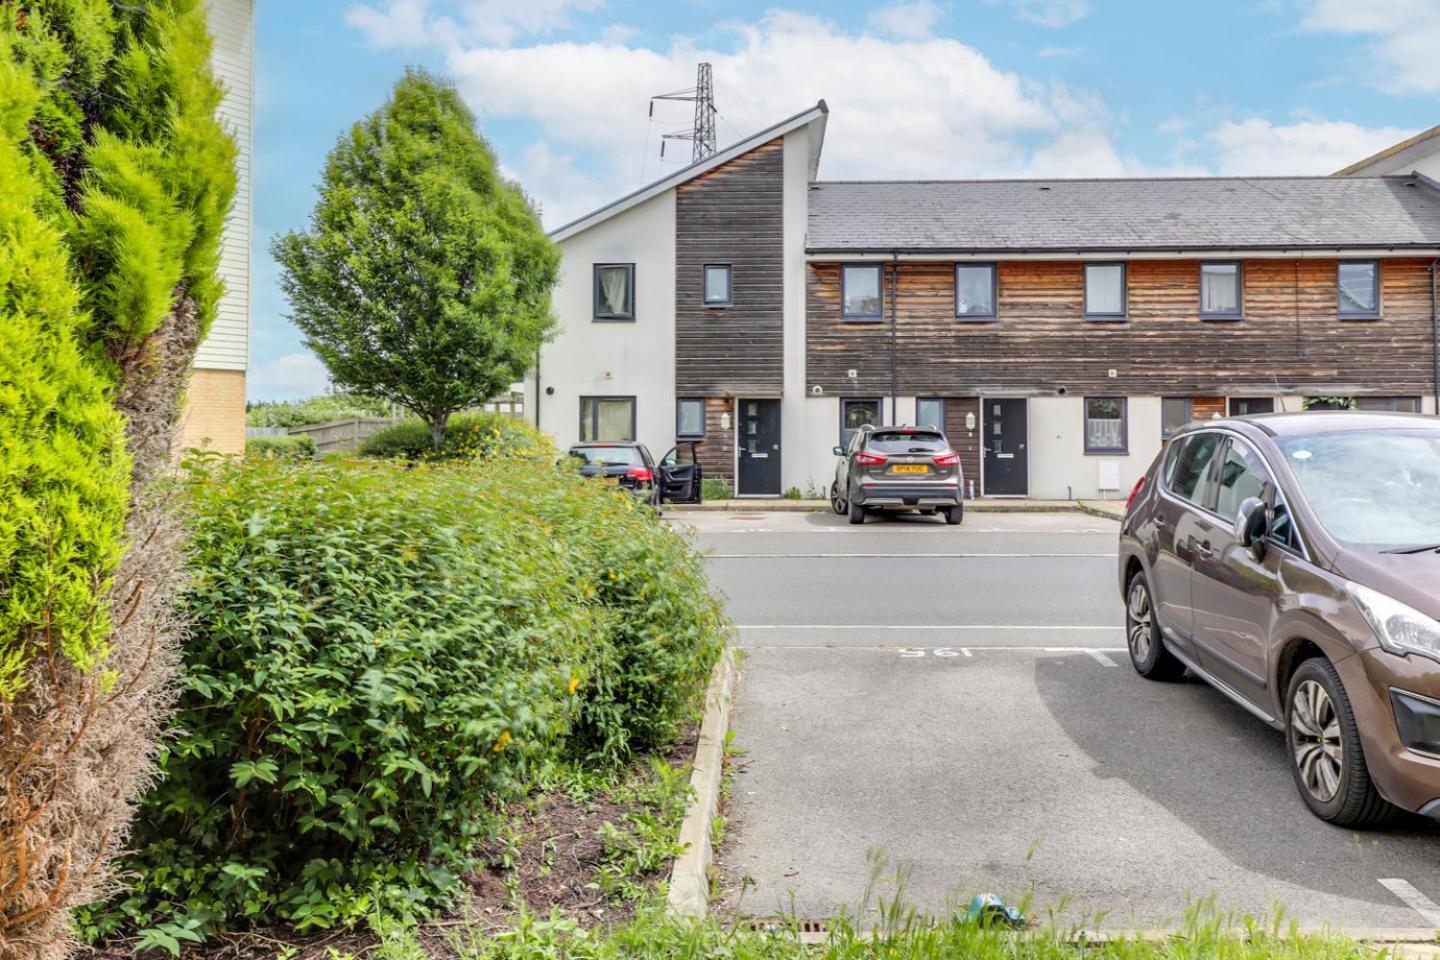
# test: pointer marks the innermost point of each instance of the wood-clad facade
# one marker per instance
(732, 215)
(1290, 339)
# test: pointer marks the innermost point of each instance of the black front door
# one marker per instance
(759, 444)
(1007, 472)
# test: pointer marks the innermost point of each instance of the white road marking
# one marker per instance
(1416, 900)
(924, 626)
(1101, 656)
(912, 555)
(966, 651)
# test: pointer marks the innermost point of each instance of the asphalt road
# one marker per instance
(959, 700)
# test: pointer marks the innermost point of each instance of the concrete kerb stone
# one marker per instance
(689, 894)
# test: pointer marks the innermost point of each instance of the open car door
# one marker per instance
(680, 475)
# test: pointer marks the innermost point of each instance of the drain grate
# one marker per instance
(802, 925)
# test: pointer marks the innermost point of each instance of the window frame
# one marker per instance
(1124, 313)
(1239, 312)
(879, 315)
(595, 416)
(994, 313)
(1230, 406)
(1340, 310)
(1189, 416)
(940, 400)
(729, 300)
(879, 415)
(689, 436)
(602, 317)
(1124, 448)
(1391, 404)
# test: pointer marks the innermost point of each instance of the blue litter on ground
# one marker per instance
(988, 908)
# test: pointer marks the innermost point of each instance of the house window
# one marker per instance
(614, 291)
(975, 291)
(860, 291)
(1105, 425)
(1220, 291)
(1359, 288)
(930, 412)
(607, 419)
(1248, 406)
(1175, 413)
(1390, 404)
(1105, 291)
(689, 418)
(717, 284)
(856, 413)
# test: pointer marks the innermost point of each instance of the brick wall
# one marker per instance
(214, 415)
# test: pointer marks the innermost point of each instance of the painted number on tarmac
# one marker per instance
(935, 652)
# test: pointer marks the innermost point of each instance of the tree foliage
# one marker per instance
(424, 277)
(115, 177)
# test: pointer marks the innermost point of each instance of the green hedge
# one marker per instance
(295, 446)
(322, 409)
(469, 436)
(383, 653)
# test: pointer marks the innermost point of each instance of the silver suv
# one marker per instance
(898, 468)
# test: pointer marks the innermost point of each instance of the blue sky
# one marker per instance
(924, 88)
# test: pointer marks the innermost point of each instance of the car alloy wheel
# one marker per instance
(837, 502)
(1315, 738)
(1139, 626)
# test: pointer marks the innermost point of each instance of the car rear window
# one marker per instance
(608, 456)
(906, 441)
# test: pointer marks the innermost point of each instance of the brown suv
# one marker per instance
(1293, 562)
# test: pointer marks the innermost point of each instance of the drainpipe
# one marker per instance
(1435, 333)
(537, 388)
(894, 321)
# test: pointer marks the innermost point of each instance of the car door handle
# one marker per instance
(1204, 550)
(1160, 521)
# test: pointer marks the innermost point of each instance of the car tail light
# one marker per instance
(947, 459)
(643, 474)
(1135, 492)
(869, 459)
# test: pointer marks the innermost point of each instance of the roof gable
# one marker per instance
(815, 114)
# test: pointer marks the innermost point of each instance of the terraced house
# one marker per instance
(1057, 329)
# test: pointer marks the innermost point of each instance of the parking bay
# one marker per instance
(960, 699)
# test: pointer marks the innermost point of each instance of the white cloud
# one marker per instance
(1047, 13)
(294, 376)
(407, 24)
(1257, 147)
(1406, 38)
(914, 20)
(931, 107)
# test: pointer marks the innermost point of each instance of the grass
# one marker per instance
(890, 930)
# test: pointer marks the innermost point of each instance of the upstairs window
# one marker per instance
(1105, 425)
(1220, 291)
(975, 291)
(614, 291)
(1105, 291)
(860, 292)
(717, 284)
(1359, 288)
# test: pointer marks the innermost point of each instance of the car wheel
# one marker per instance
(1142, 634)
(1326, 756)
(953, 515)
(837, 502)
(857, 513)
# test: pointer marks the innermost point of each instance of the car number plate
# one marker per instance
(909, 468)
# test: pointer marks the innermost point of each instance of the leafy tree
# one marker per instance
(424, 277)
(115, 178)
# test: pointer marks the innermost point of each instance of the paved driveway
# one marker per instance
(960, 700)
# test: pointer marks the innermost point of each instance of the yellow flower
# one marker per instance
(500, 744)
(574, 685)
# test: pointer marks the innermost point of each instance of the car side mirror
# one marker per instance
(839, 451)
(1251, 525)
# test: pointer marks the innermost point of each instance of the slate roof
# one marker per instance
(1214, 213)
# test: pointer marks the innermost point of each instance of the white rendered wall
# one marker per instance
(232, 25)
(1059, 466)
(608, 358)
